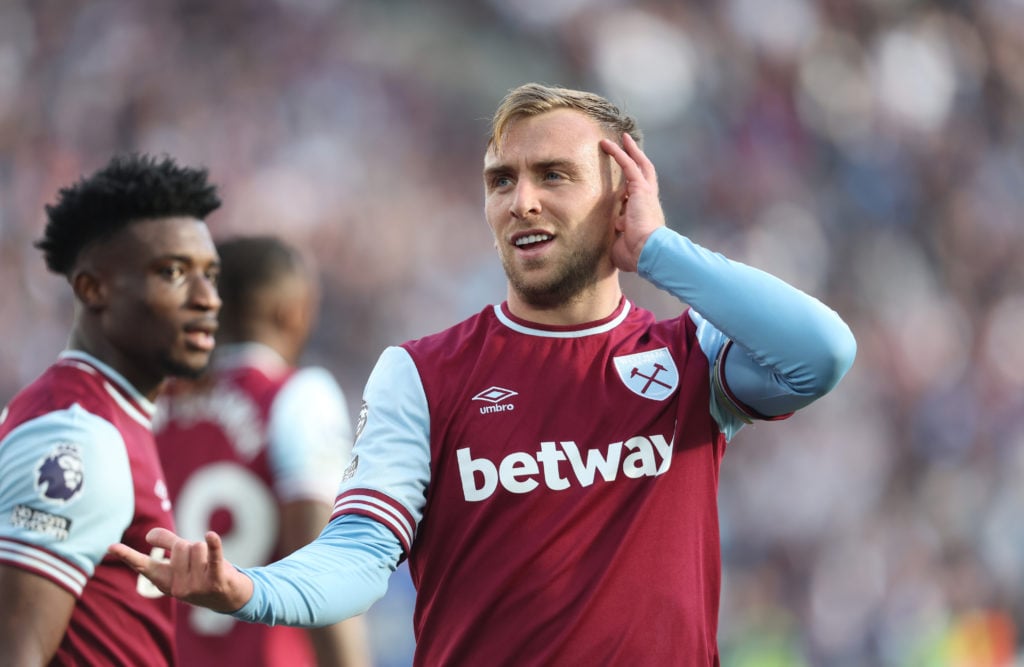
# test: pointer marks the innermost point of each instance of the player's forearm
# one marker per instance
(337, 576)
(781, 327)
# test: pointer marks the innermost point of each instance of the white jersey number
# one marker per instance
(234, 489)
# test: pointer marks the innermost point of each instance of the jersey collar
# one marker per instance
(522, 326)
(136, 403)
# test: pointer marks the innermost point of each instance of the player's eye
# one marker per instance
(172, 273)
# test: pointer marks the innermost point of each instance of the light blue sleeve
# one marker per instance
(66, 494)
(309, 437)
(789, 349)
(392, 448)
(336, 576)
(345, 570)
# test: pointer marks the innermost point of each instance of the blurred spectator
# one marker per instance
(885, 137)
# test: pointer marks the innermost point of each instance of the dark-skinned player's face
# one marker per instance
(161, 302)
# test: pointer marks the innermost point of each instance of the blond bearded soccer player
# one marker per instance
(78, 463)
(549, 466)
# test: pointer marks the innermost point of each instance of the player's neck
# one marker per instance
(84, 340)
(594, 304)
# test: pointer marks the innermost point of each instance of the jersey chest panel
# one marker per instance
(554, 465)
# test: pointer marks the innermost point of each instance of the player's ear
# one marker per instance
(294, 314)
(90, 289)
(285, 314)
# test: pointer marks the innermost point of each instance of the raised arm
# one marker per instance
(788, 348)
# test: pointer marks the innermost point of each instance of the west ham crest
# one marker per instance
(650, 374)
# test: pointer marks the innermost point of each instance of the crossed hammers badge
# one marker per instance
(651, 374)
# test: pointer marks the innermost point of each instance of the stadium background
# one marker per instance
(869, 151)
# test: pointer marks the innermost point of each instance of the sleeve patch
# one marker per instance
(60, 475)
(37, 521)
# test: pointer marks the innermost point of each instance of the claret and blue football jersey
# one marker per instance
(552, 457)
(554, 489)
(78, 472)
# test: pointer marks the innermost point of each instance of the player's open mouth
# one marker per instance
(200, 340)
(200, 336)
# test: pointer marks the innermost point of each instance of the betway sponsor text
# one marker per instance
(559, 465)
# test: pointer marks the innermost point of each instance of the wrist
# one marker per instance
(241, 592)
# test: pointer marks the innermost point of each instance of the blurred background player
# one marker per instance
(78, 465)
(255, 450)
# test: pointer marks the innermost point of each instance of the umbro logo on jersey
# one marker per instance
(496, 397)
(649, 374)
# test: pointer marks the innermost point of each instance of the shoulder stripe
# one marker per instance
(127, 406)
(90, 364)
(45, 564)
(381, 508)
(81, 366)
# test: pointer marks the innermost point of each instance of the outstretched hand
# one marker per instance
(641, 212)
(197, 572)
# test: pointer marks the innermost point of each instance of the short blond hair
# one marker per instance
(532, 99)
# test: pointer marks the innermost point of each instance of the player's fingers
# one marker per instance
(215, 549)
(198, 558)
(636, 167)
(180, 556)
(643, 162)
(132, 558)
(628, 165)
(163, 538)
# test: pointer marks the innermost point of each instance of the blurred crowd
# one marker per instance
(869, 151)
